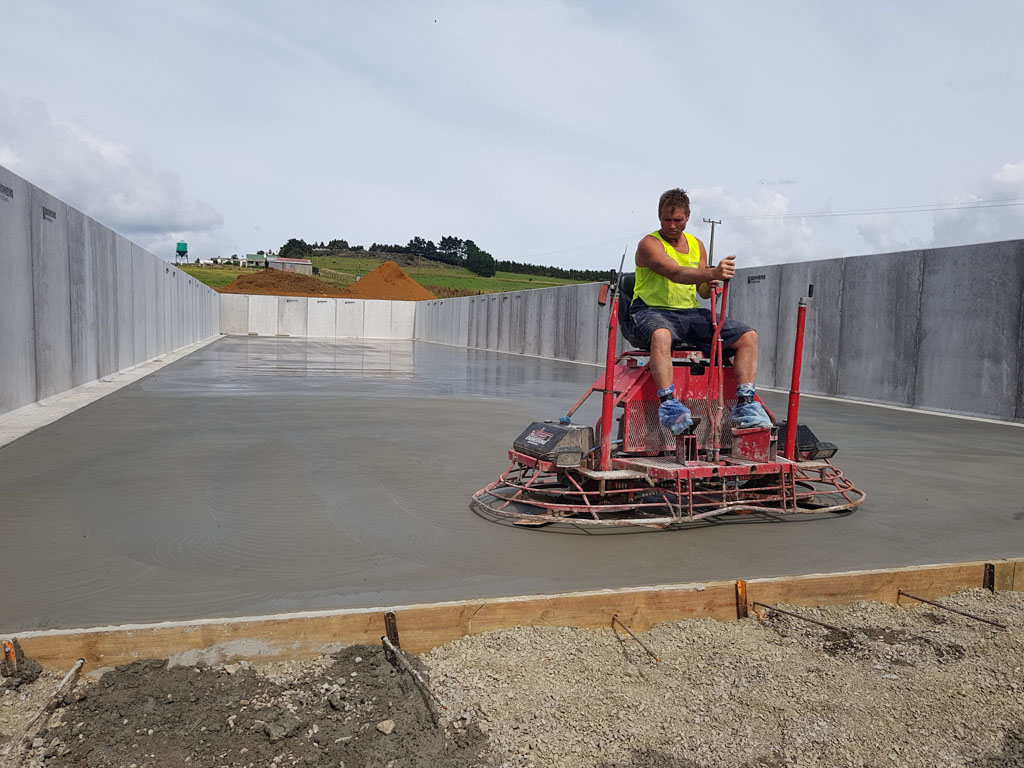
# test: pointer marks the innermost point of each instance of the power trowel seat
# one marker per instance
(629, 331)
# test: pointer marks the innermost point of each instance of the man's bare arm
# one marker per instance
(651, 254)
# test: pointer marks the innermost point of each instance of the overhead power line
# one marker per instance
(1013, 201)
(1006, 203)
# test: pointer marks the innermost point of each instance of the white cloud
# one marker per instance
(105, 180)
(984, 225)
(886, 233)
(756, 240)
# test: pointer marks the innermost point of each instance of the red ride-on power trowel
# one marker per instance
(581, 476)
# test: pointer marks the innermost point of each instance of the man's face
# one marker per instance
(673, 221)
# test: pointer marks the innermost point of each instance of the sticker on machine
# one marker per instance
(538, 437)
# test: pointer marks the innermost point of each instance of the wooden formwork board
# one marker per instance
(883, 585)
(424, 627)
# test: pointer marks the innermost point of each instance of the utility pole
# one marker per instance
(711, 245)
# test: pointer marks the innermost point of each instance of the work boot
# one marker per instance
(675, 416)
(749, 415)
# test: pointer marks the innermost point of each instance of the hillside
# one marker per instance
(342, 268)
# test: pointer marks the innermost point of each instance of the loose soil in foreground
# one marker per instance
(897, 686)
(387, 282)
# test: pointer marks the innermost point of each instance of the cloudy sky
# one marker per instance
(542, 129)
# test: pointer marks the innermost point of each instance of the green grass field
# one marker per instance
(431, 273)
(342, 271)
(216, 276)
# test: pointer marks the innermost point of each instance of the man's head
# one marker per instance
(673, 213)
(674, 198)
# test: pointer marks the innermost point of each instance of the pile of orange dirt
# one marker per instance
(388, 281)
(277, 282)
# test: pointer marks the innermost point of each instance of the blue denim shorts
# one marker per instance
(692, 326)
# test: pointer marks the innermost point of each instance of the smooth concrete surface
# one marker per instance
(261, 475)
(27, 419)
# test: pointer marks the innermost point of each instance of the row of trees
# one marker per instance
(448, 250)
(590, 275)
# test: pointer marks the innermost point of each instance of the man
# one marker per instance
(670, 265)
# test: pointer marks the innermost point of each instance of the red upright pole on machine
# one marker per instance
(608, 400)
(794, 385)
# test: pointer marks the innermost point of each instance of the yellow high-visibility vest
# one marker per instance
(658, 291)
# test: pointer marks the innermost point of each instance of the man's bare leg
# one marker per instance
(747, 412)
(661, 358)
(745, 362)
(672, 413)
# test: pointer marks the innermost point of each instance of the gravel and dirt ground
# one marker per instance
(897, 686)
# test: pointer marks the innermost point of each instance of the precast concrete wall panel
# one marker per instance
(350, 318)
(474, 323)
(462, 328)
(430, 321)
(592, 324)
(17, 321)
(969, 354)
(754, 300)
(565, 323)
(263, 315)
(149, 276)
(51, 285)
(1020, 362)
(821, 335)
(504, 307)
(517, 322)
(478, 322)
(78, 301)
(322, 318)
(292, 314)
(533, 324)
(81, 264)
(376, 319)
(138, 296)
(163, 327)
(104, 289)
(177, 278)
(191, 331)
(493, 321)
(403, 319)
(880, 331)
(125, 303)
(547, 328)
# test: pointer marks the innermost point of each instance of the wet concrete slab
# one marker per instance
(263, 475)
